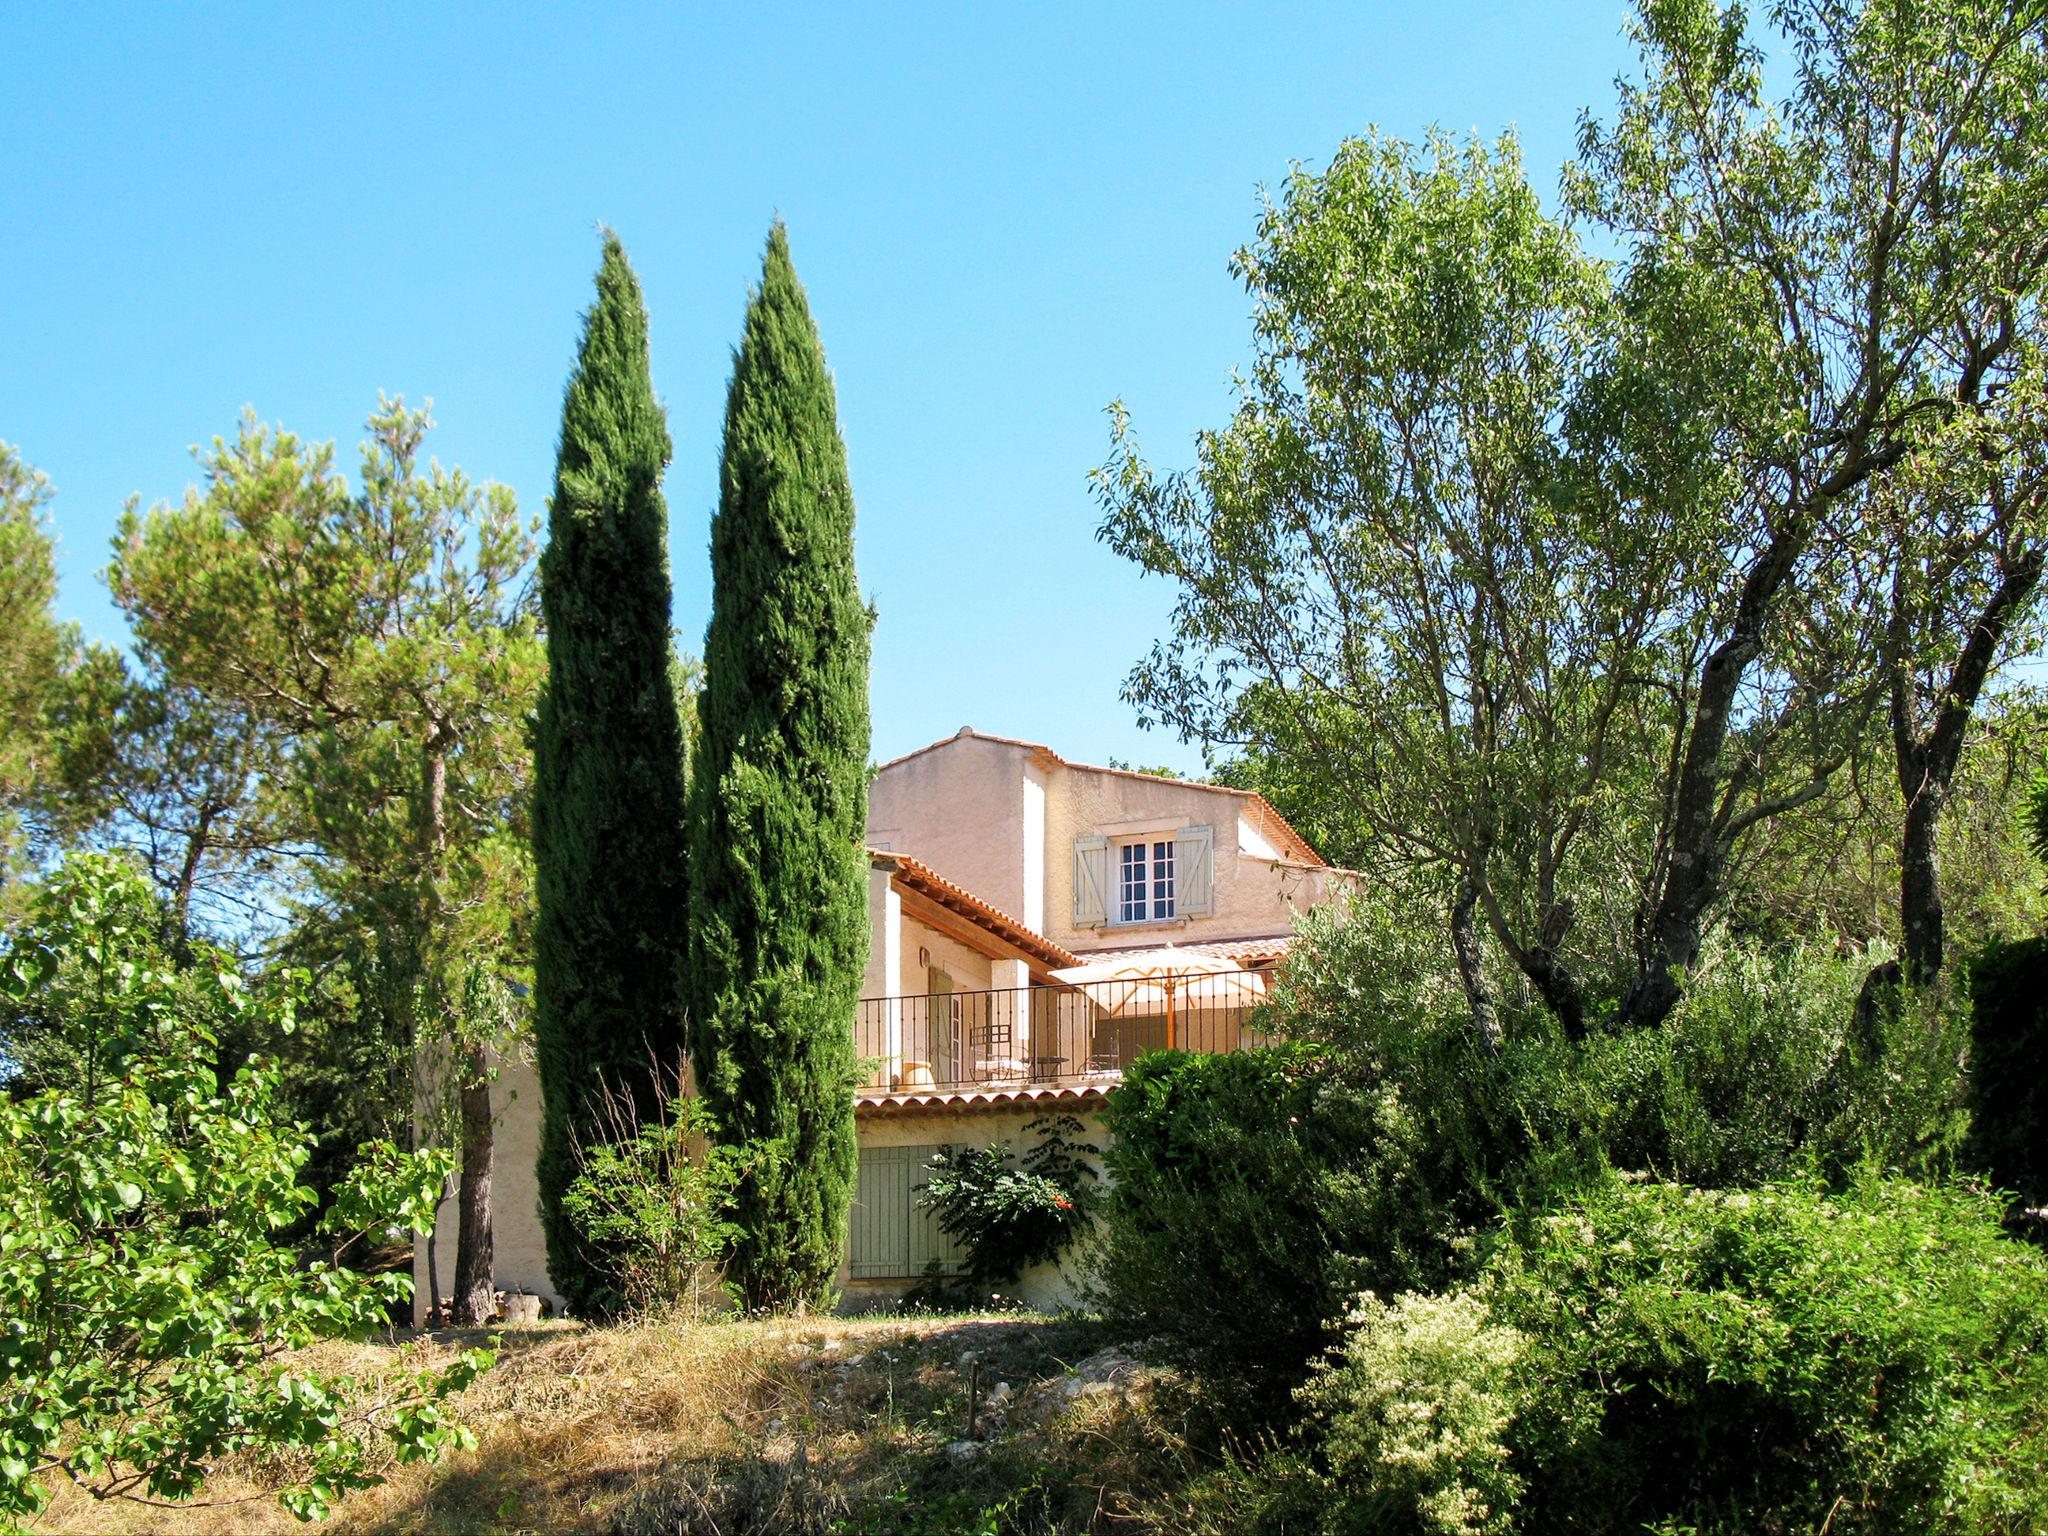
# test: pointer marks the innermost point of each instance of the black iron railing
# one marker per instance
(1049, 1035)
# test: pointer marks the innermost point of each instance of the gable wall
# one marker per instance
(959, 807)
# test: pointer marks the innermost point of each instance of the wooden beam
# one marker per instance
(943, 919)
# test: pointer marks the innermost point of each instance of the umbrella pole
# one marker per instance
(1169, 1013)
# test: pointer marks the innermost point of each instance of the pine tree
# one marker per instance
(608, 769)
(779, 931)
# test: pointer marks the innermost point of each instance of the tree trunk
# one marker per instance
(1668, 941)
(1927, 759)
(475, 1250)
(1922, 923)
(1465, 941)
(475, 1254)
(1559, 989)
(179, 922)
(436, 1318)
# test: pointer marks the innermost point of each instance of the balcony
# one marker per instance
(1047, 1036)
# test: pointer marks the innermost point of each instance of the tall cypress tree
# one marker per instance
(779, 930)
(608, 768)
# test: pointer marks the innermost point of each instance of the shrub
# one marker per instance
(653, 1202)
(148, 1310)
(1778, 1359)
(1251, 1197)
(1010, 1213)
(2009, 1067)
(1412, 1417)
(1757, 1075)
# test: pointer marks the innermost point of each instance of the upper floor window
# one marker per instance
(1148, 877)
(1144, 881)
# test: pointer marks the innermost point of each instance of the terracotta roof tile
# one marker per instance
(941, 1100)
(922, 878)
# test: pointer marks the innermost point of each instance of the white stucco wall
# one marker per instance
(519, 1249)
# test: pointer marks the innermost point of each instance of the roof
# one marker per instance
(1250, 953)
(941, 1100)
(918, 876)
(1264, 812)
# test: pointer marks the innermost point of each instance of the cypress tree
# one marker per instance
(608, 769)
(779, 930)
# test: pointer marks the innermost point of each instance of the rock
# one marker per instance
(964, 1450)
(1000, 1395)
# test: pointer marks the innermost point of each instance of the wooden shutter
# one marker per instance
(890, 1238)
(1194, 871)
(1091, 879)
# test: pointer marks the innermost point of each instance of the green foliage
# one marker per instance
(779, 932)
(1253, 1195)
(149, 1309)
(1759, 1073)
(1411, 1419)
(1873, 1361)
(38, 657)
(2037, 817)
(50, 1034)
(383, 639)
(2009, 1068)
(1564, 579)
(608, 769)
(1250, 1197)
(1010, 1213)
(655, 1203)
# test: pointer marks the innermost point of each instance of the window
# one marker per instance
(1144, 881)
(1155, 877)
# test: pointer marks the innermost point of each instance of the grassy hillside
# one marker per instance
(824, 1425)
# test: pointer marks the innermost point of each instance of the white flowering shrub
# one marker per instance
(1414, 1412)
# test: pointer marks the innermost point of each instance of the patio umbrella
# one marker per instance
(1147, 981)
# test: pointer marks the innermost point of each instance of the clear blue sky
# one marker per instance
(1006, 217)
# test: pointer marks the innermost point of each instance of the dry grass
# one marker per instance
(823, 1425)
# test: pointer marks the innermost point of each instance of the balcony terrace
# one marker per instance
(1070, 1036)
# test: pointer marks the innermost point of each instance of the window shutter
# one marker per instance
(1194, 871)
(891, 1239)
(1091, 878)
(880, 1245)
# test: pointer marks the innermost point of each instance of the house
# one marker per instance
(993, 865)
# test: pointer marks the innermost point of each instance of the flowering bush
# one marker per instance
(1010, 1213)
(1413, 1415)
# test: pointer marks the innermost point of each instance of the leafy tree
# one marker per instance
(1969, 513)
(779, 936)
(151, 1313)
(1871, 256)
(1573, 586)
(1392, 584)
(196, 787)
(608, 771)
(390, 633)
(36, 654)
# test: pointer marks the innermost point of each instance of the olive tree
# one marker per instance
(1577, 586)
